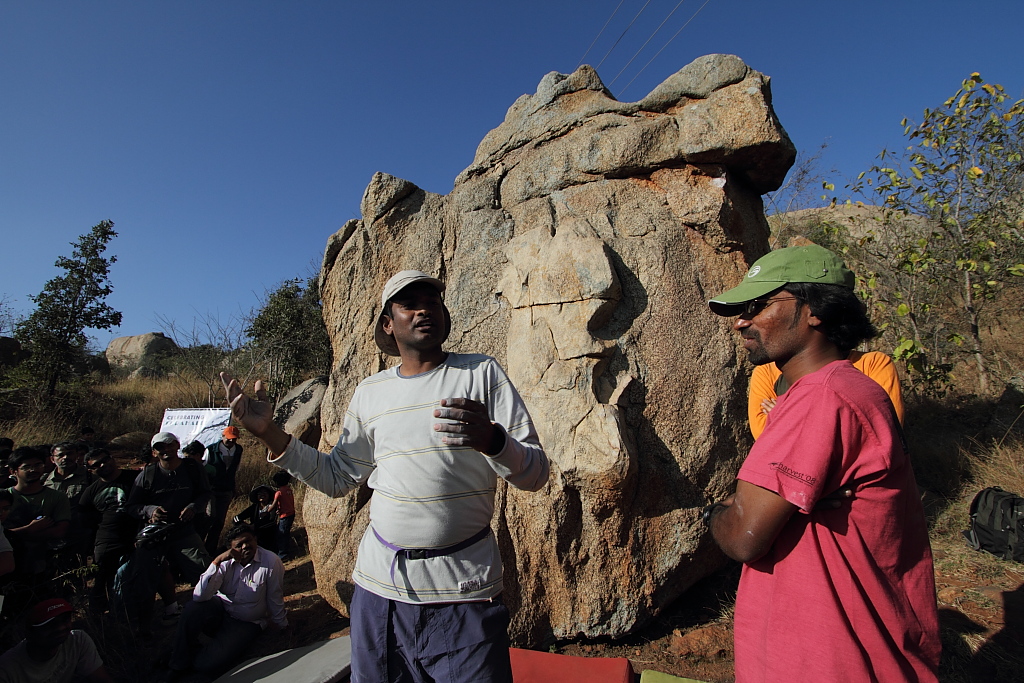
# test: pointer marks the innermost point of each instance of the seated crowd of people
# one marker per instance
(138, 533)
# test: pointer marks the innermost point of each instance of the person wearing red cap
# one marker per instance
(224, 456)
(53, 652)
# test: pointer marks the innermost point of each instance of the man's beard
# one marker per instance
(757, 355)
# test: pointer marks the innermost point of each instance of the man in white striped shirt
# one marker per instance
(430, 437)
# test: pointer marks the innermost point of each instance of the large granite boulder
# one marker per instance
(579, 249)
(140, 351)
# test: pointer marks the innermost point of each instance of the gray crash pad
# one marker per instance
(326, 662)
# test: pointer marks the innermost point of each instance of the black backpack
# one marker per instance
(997, 524)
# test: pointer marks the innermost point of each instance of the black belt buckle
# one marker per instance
(416, 553)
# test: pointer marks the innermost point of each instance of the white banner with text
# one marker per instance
(204, 425)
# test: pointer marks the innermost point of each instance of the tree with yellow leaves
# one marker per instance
(950, 238)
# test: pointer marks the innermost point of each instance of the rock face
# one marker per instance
(579, 249)
(298, 413)
(140, 351)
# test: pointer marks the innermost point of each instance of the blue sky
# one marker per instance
(227, 140)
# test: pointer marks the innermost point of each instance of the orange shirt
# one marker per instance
(877, 366)
(285, 502)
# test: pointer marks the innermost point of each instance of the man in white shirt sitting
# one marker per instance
(239, 595)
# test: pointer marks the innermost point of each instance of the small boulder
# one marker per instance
(140, 351)
(298, 413)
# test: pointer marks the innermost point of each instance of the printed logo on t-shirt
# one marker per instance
(471, 585)
(793, 474)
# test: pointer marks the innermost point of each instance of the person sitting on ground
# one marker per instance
(225, 456)
(70, 478)
(239, 595)
(284, 506)
(39, 514)
(173, 490)
(6, 550)
(104, 508)
(767, 383)
(53, 652)
(262, 516)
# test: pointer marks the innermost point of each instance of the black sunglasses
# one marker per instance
(755, 306)
(96, 464)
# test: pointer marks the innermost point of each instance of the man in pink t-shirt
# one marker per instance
(837, 582)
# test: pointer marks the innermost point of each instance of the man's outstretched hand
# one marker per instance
(255, 414)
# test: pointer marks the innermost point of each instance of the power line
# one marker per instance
(623, 33)
(599, 34)
(665, 45)
(678, 4)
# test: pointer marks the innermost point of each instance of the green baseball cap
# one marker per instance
(809, 263)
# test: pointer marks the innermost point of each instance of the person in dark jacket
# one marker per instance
(173, 490)
(104, 507)
(225, 457)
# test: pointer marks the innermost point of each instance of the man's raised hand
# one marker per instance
(255, 414)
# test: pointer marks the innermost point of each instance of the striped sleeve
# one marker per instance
(347, 466)
(522, 462)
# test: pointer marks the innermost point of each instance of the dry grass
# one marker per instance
(41, 427)
(138, 404)
(999, 465)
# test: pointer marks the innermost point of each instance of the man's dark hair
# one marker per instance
(236, 531)
(20, 455)
(193, 448)
(86, 430)
(64, 446)
(281, 478)
(843, 316)
(6, 443)
(96, 454)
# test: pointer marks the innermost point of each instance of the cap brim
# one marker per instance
(731, 302)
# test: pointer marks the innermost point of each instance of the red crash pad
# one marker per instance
(529, 666)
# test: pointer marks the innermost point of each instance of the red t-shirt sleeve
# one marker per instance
(798, 451)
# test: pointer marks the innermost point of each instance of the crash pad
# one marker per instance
(329, 661)
(530, 666)
(651, 676)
